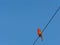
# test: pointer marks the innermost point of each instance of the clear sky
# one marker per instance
(19, 20)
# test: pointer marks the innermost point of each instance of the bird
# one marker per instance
(40, 33)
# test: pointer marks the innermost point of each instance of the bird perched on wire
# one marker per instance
(39, 30)
(40, 33)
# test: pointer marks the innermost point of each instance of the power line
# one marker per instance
(47, 24)
(36, 40)
(50, 20)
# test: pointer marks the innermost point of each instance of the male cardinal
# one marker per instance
(40, 33)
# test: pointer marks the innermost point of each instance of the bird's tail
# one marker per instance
(42, 38)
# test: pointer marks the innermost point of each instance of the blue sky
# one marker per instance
(19, 20)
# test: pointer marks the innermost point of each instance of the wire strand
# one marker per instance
(36, 40)
(50, 19)
(47, 24)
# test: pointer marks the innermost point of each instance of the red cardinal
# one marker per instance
(40, 33)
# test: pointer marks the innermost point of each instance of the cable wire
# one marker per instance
(47, 24)
(50, 19)
(36, 40)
